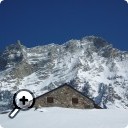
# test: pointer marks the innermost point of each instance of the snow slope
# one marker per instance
(67, 118)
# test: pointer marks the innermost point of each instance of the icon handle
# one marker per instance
(13, 113)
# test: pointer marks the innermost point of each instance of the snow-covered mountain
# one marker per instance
(91, 65)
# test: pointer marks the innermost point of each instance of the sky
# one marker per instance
(39, 22)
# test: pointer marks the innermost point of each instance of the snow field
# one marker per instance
(67, 118)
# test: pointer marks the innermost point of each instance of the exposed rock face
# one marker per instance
(91, 65)
(12, 55)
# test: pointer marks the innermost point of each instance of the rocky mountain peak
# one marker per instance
(89, 43)
(102, 47)
(15, 47)
(96, 39)
(98, 42)
(12, 54)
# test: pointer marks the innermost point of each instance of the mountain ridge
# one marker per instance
(91, 65)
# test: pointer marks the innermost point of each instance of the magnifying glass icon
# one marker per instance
(22, 100)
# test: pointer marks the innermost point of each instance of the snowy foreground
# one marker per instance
(67, 118)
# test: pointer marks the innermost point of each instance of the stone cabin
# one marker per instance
(65, 96)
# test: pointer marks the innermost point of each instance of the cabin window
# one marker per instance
(49, 99)
(75, 100)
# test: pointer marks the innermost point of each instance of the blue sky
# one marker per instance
(38, 22)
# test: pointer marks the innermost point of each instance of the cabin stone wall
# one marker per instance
(62, 97)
